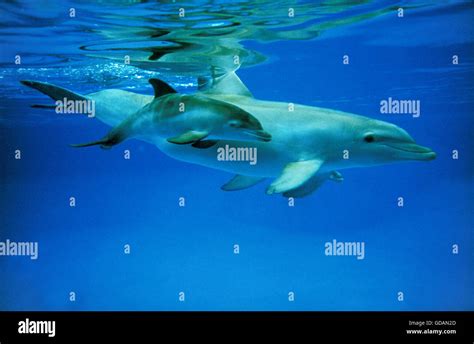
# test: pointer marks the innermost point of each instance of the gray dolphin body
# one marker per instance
(182, 119)
(308, 145)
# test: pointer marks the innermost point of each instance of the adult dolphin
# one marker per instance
(308, 146)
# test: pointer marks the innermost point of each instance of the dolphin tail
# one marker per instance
(112, 139)
(55, 92)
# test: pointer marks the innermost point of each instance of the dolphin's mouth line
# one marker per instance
(416, 152)
(411, 148)
(260, 135)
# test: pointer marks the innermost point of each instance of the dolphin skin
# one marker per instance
(200, 120)
(301, 146)
(186, 119)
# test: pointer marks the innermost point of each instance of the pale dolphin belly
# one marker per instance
(269, 161)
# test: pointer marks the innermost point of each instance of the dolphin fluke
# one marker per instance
(106, 142)
(101, 142)
(55, 92)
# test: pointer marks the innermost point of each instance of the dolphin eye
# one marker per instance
(234, 124)
(369, 138)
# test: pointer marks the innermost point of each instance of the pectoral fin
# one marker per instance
(203, 144)
(188, 137)
(313, 184)
(241, 182)
(294, 175)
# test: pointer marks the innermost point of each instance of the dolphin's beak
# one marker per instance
(260, 135)
(412, 151)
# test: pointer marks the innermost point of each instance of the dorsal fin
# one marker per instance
(228, 83)
(161, 88)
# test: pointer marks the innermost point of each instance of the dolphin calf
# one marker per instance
(199, 120)
(183, 119)
(308, 146)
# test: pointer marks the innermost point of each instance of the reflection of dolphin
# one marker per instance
(308, 144)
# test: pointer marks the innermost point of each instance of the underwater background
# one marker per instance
(190, 249)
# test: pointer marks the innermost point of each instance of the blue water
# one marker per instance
(191, 249)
